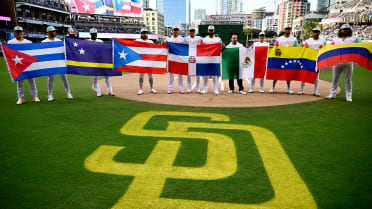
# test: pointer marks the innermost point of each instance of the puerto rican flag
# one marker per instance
(128, 8)
(139, 57)
(187, 59)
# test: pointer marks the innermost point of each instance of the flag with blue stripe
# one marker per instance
(48, 59)
(91, 58)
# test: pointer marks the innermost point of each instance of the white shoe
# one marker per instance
(198, 90)
(69, 96)
(242, 92)
(140, 92)
(330, 97)
(153, 91)
(317, 94)
(50, 98)
(216, 92)
(188, 91)
(170, 91)
(203, 92)
(261, 90)
(99, 94)
(289, 91)
(230, 91)
(272, 90)
(348, 99)
(300, 93)
(250, 91)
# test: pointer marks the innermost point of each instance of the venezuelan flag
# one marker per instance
(292, 63)
(331, 55)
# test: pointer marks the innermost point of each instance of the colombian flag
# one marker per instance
(331, 55)
(292, 63)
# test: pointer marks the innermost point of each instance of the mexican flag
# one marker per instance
(244, 62)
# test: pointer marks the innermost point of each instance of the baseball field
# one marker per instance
(109, 152)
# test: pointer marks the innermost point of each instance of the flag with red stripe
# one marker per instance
(187, 59)
(260, 61)
(139, 57)
(331, 55)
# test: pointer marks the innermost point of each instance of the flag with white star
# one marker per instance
(32, 60)
(91, 58)
(139, 57)
(292, 63)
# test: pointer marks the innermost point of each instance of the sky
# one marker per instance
(248, 5)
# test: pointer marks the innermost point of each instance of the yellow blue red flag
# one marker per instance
(292, 63)
(331, 55)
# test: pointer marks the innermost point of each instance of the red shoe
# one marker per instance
(111, 94)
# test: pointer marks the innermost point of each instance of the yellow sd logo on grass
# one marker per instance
(221, 162)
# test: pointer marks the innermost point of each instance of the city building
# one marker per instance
(270, 23)
(200, 14)
(176, 12)
(322, 5)
(154, 21)
(227, 7)
(289, 10)
(244, 19)
(146, 4)
(258, 15)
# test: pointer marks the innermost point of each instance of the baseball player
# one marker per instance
(261, 42)
(144, 38)
(211, 39)
(18, 31)
(286, 40)
(345, 35)
(317, 43)
(175, 38)
(193, 40)
(93, 37)
(51, 38)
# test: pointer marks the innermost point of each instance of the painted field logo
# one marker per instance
(150, 177)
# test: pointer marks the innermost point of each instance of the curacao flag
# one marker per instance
(331, 55)
(35, 59)
(139, 57)
(292, 63)
(188, 59)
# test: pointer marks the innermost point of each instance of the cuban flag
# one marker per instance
(187, 59)
(139, 57)
(35, 59)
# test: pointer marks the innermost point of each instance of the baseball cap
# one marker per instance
(211, 27)
(144, 30)
(287, 27)
(192, 28)
(18, 28)
(316, 29)
(345, 26)
(175, 27)
(50, 28)
(261, 33)
(93, 30)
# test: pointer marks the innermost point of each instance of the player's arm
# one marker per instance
(296, 43)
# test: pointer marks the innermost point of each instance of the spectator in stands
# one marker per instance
(93, 37)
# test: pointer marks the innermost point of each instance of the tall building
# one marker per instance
(154, 21)
(227, 7)
(258, 15)
(176, 12)
(289, 10)
(146, 4)
(200, 14)
(322, 5)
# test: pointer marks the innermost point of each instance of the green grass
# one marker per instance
(43, 147)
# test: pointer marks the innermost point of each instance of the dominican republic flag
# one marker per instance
(187, 59)
(331, 55)
(82, 58)
(139, 57)
(35, 59)
(128, 8)
(292, 63)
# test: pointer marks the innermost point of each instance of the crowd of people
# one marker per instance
(344, 35)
